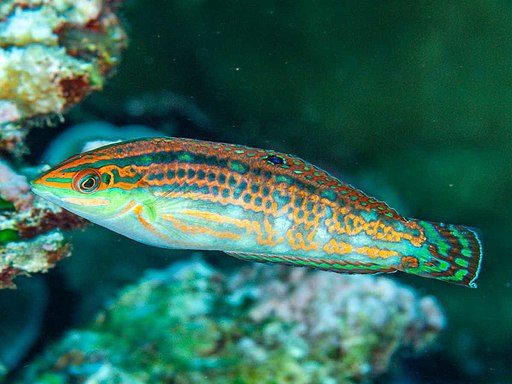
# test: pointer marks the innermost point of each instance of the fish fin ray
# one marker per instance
(332, 265)
(453, 253)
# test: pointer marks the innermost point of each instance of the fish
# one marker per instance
(254, 204)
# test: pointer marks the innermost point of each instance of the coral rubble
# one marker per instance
(30, 240)
(52, 54)
(190, 323)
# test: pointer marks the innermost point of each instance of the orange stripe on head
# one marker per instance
(86, 201)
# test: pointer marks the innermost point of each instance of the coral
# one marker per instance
(37, 255)
(39, 79)
(14, 188)
(52, 54)
(360, 319)
(190, 322)
(30, 240)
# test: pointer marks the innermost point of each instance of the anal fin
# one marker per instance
(333, 265)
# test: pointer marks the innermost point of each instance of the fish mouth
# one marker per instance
(36, 186)
(41, 191)
(37, 182)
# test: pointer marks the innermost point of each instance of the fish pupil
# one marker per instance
(89, 183)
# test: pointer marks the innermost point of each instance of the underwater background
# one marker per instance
(408, 101)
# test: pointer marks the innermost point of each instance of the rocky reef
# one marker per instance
(30, 236)
(52, 55)
(193, 323)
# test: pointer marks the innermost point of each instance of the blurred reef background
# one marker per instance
(410, 101)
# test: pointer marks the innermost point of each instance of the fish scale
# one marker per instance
(254, 204)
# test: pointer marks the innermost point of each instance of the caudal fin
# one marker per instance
(452, 253)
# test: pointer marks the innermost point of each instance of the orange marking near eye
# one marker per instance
(86, 201)
(53, 184)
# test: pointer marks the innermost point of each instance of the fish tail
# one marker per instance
(452, 253)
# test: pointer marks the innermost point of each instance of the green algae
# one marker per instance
(8, 235)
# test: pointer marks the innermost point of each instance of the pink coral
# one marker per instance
(14, 188)
(35, 242)
(365, 318)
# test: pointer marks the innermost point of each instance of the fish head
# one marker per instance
(85, 184)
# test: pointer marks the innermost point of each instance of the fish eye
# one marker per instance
(86, 181)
